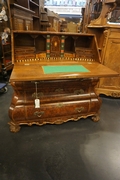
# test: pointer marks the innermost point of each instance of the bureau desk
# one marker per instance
(54, 78)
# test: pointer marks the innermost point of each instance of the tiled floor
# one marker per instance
(81, 150)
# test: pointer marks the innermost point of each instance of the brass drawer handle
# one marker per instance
(38, 114)
(79, 110)
(59, 90)
(80, 91)
(39, 95)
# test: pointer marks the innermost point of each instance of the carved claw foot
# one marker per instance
(95, 118)
(14, 127)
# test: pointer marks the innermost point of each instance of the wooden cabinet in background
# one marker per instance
(111, 58)
(25, 14)
(107, 30)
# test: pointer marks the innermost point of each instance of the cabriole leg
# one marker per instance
(14, 127)
(95, 118)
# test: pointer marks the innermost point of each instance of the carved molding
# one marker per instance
(15, 127)
(105, 37)
(108, 92)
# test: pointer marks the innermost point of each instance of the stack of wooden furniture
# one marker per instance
(107, 30)
(54, 21)
(31, 15)
(5, 46)
(25, 14)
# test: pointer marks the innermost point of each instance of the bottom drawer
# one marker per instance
(54, 110)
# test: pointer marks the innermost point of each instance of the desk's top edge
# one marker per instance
(50, 32)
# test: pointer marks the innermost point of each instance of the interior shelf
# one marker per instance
(34, 3)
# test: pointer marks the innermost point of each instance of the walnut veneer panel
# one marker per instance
(60, 101)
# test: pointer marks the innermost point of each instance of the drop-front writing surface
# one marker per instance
(56, 95)
(34, 72)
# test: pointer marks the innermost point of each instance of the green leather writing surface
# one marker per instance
(64, 69)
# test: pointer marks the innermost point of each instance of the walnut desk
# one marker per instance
(55, 85)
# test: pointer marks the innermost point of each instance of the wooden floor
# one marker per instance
(82, 150)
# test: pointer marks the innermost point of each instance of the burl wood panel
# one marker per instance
(60, 101)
